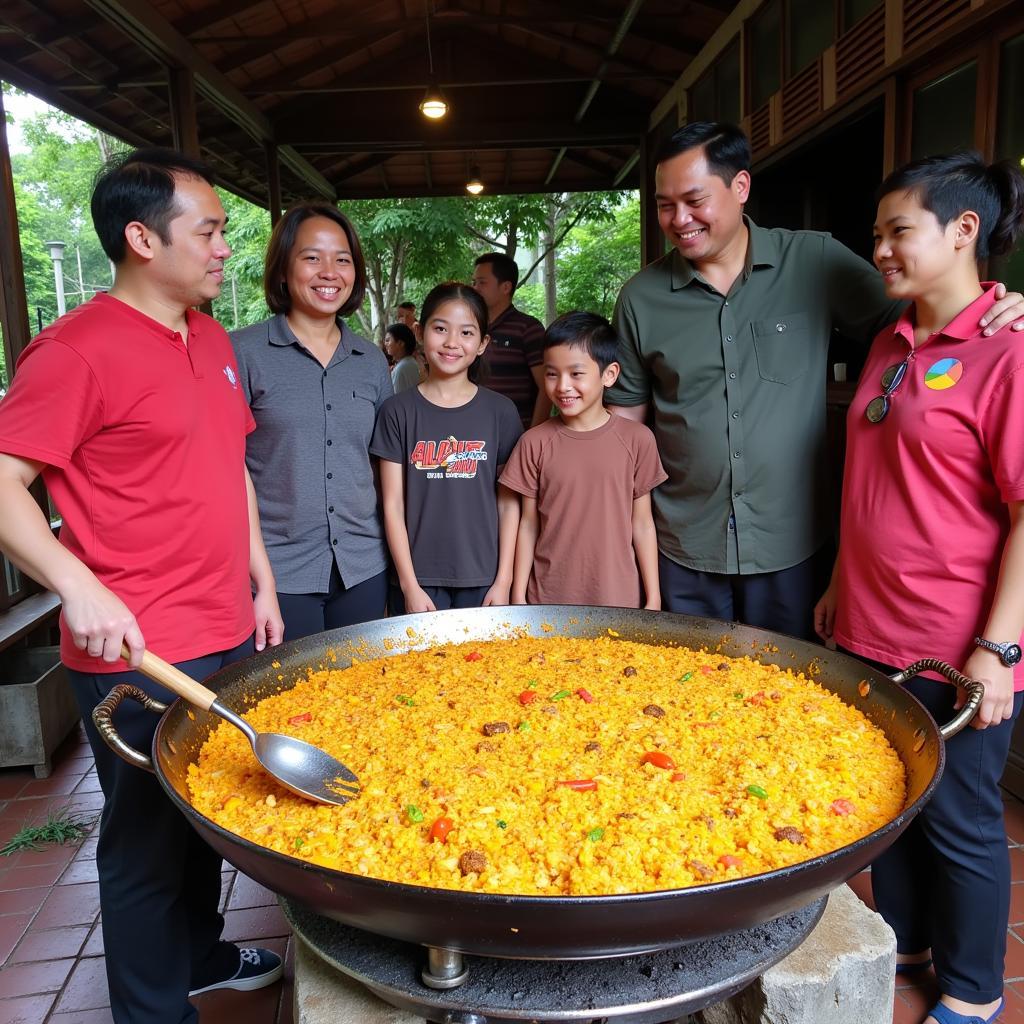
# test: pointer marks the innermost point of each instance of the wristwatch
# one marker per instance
(1009, 654)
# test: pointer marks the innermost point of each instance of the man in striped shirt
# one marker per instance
(513, 362)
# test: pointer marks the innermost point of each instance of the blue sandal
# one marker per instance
(944, 1015)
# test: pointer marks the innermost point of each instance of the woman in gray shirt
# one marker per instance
(314, 388)
(400, 345)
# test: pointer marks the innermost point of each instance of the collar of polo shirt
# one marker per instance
(280, 333)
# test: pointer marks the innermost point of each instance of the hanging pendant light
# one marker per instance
(474, 186)
(433, 105)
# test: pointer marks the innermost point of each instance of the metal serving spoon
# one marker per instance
(304, 769)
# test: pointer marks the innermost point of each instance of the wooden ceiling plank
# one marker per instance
(397, 136)
(144, 26)
(214, 14)
(350, 170)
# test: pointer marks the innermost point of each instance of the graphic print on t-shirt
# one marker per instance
(449, 459)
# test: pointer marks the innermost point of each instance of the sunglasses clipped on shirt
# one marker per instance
(878, 408)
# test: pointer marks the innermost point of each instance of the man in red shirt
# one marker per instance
(130, 409)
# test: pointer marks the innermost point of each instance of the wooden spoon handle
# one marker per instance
(174, 679)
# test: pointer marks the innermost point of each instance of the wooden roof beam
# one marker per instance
(223, 10)
(147, 29)
(401, 136)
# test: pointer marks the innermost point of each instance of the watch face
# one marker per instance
(1012, 654)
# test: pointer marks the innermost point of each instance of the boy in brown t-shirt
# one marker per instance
(586, 535)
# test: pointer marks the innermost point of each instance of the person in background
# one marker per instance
(400, 347)
(441, 445)
(405, 313)
(314, 388)
(130, 410)
(512, 362)
(934, 458)
(585, 478)
(726, 342)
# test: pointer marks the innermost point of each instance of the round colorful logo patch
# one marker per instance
(943, 374)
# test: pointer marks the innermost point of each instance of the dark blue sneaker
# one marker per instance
(257, 969)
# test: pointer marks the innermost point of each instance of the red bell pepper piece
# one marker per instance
(580, 785)
(727, 860)
(440, 829)
(658, 759)
(585, 695)
(528, 697)
(306, 716)
(474, 656)
(842, 808)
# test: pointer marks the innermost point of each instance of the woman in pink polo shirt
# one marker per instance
(931, 559)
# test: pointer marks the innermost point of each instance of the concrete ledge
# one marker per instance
(844, 973)
(324, 995)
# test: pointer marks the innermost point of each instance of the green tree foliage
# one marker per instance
(241, 299)
(55, 178)
(598, 258)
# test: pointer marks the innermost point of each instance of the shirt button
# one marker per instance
(726, 302)
(330, 476)
(330, 508)
(728, 337)
(328, 406)
(335, 542)
(732, 376)
(736, 455)
(735, 415)
(737, 494)
(780, 328)
(329, 442)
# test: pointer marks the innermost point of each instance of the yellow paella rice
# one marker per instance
(562, 766)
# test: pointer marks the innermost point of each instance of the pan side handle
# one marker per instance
(103, 715)
(975, 691)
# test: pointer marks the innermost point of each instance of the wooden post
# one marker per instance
(184, 124)
(13, 303)
(273, 182)
(652, 246)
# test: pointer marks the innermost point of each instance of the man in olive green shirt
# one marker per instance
(726, 337)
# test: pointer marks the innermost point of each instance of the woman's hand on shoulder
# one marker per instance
(997, 704)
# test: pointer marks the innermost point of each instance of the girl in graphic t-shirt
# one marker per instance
(931, 559)
(450, 527)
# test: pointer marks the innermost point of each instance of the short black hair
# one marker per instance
(950, 185)
(503, 267)
(139, 185)
(586, 331)
(402, 333)
(407, 305)
(279, 253)
(726, 148)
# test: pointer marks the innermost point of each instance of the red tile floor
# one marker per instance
(51, 950)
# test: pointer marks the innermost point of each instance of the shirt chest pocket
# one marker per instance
(363, 413)
(781, 346)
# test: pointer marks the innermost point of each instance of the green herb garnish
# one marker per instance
(415, 814)
(759, 791)
(595, 834)
(561, 695)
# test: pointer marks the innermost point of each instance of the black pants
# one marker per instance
(443, 597)
(306, 614)
(783, 600)
(945, 883)
(159, 882)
